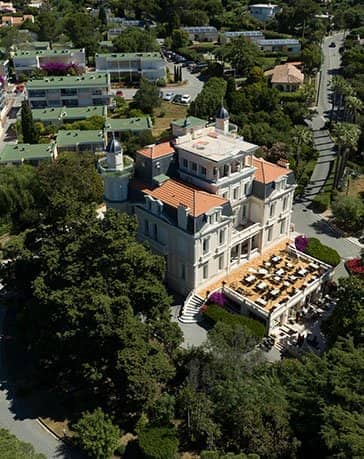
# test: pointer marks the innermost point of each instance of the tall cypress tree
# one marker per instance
(30, 133)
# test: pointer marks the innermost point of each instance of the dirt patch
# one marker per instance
(169, 112)
(60, 428)
(355, 187)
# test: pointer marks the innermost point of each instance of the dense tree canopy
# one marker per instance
(11, 447)
(135, 40)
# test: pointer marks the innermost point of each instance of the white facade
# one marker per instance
(264, 11)
(221, 207)
(28, 61)
(131, 66)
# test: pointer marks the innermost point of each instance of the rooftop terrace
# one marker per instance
(272, 278)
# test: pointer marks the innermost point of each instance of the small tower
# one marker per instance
(114, 155)
(222, 119)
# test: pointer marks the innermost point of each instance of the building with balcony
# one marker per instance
(264, 11)
(280, 45)
(59, 116)
(69, 91)
(116, 127)
(80, 141)
(26, 61)
(131, 66)
(202, 33)
(15, 154)
(205, 202)
(252, 35)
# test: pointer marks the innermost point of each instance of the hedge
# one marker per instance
(215, 313)
(158, 442)
(217, 455)
(322, 252)
(321, 202)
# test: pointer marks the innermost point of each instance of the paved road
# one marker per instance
(322, 141)
(15, 415)
(193, 86)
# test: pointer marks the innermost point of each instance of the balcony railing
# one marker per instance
(243, 231)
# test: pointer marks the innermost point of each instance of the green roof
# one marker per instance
(33, 45)
(24, 151)
(128, 124)
(67, 113)
(129, 56)
(192, 121)
(45, 52)
(76, 137)
(92, 80)
(106, 44)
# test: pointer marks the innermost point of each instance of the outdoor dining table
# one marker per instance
(286, 284)
(292, 278)
(313, 266)
(275, 292)
(261, 286)
(276, 279)
(289, 265)
(252, 270)
(267, 264)
(276, 259)
(262, 271)
(280, 272)
(250, 278)
(302, 272)
(261, 301)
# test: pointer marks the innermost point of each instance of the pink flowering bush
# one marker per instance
(301, 242)
(355, 266)
(217, 298)
(60, 68)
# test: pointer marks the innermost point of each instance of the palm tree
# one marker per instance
(301, 136)
(341, 89)
(346, 136)
(353, 105)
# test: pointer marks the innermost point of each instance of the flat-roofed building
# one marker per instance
(131, 66)
(280, 45)
(264, 11)
(202, 33)
(252, 35)
(58, 116)
(70, 91)
(115, 127)
(80, 141)
(26, 61)
(15, 154)
(187, 125)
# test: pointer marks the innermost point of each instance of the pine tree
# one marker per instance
(30, 133)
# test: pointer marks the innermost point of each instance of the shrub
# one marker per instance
(322, 252)
(158, 442)
(215, 313)
(321, 202)
(355, 266)
(301, 243)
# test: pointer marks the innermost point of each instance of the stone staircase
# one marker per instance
(191, 309)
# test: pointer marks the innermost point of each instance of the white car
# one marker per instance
(168, 96)
(185, 99)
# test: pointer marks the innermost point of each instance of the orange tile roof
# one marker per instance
(174, 193)
(157, 151)
(287, 73)
(267, 172)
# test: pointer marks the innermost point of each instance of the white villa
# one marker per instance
(206, 204)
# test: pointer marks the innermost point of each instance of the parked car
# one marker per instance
(119, 93)
(168, 96)
(198, 67)
(188, 63)
(177, 99)
(185, 99)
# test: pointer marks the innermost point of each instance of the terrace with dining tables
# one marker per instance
(275, 286)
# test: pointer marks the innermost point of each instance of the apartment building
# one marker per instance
(202, 33)
(280, 45)
(80, 141)
(131, 66)
(264, 11)
(116, 127)
(15, 154)
(26, 61)
(252, 35)
(69, 91)
(59, 116)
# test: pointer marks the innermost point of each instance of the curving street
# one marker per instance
(16, 416)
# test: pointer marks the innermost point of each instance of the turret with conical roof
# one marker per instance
(114, 155)
(222, 119)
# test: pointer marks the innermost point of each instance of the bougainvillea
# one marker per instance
(60, 68)
(355, 266)
(217, 298)
(301, 243)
